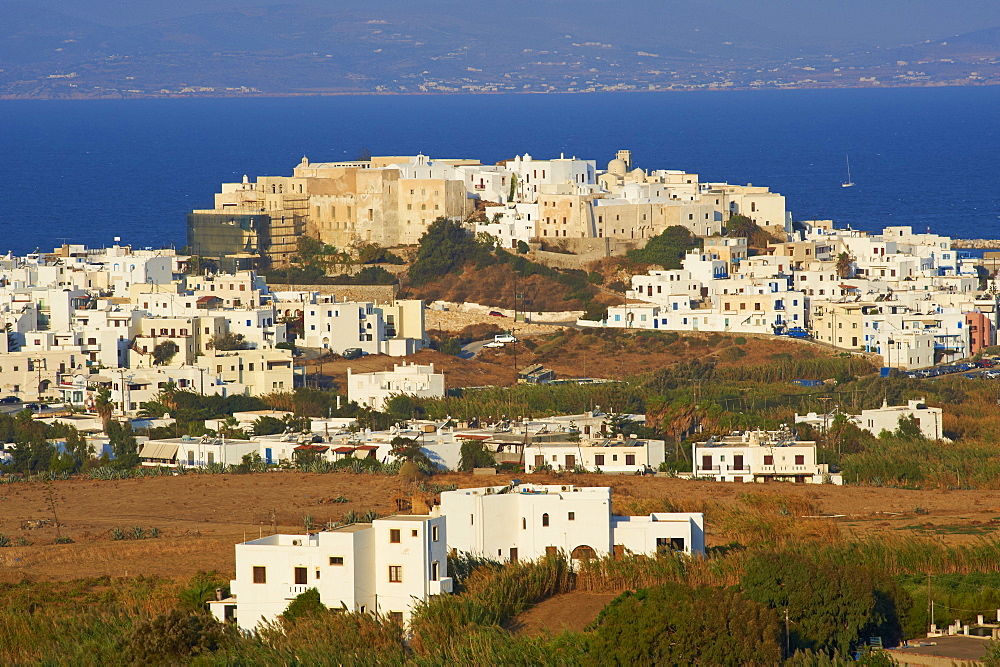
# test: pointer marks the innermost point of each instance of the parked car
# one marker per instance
(9, 400)
(34, 407)
(792, 332)
(352, 353)
(504, 338)
(497, 313)
(494, 343)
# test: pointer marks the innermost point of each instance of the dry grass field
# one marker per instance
(201, 517)
(575, 353)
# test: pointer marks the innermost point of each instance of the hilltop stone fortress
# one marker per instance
(392, 200)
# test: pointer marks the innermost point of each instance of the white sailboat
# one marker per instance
(848, 183)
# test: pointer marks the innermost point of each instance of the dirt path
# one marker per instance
(567, 612)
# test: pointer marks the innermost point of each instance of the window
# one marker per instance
(769, 460)
(545, 519)
(395, 574)
(336, 560)
(571, 516)
(259, 574)
(551, 551)
(599, 459)
(800, 459)
(413, 533)
(434, 533)
(435, 571)
(394, 536)
(630, 459)
(396, 617)
(301, 576)
(524, 523)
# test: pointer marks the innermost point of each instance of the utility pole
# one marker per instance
(121, 378)
(787, 637)
(930, 605)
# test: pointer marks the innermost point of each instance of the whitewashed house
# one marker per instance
(191, 452)
(385, 567)
(611, 455)
(528, 521)
(886, 418)
(375, 389)
(761, 456)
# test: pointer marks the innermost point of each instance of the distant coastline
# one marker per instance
(257, 94)
(976, 244)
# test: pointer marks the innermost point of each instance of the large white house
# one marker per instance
(885, 418)
(375, 389)
(610, 455)
(395, 329)
(385, 567)
(761, 456)
(529, 521)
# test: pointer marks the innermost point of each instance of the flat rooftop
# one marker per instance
(350, 528)
(959, 648)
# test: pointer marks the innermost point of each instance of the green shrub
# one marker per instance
(732, 354)
(305, 604)
(678, 624)
(174, 636)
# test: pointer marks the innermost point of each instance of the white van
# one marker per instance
(504, 338)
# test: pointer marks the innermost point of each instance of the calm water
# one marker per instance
(87, 171)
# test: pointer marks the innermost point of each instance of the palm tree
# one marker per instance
(104, 406)
(845, 268)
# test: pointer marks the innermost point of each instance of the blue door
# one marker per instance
(267, 455)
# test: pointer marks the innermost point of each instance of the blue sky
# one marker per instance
(874, 22)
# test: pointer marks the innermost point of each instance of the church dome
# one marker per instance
(617, 166)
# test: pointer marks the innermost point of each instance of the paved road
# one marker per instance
(17, 407)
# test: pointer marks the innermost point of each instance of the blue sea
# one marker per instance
(87, 171)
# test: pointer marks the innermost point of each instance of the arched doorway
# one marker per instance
(583, 552)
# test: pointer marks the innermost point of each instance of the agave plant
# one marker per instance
(4, 540)
(138, 533)
(117, 534)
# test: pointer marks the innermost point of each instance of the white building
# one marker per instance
(395, 329)
(761, 456)
(510, 223)
(886, 418)
(530, 521)
(191, 452)
(385, 567)
(375, 389)
(621, 455)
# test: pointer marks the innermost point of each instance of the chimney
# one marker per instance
(218, 593)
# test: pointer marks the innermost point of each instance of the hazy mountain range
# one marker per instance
(350, 46)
